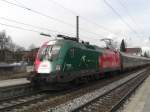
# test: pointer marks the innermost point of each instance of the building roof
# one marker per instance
(133, 50)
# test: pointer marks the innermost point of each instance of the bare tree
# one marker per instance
(3, 40)
(8, 49)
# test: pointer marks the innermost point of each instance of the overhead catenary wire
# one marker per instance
(26, 8)
(19, 3)
(47, 29)
(37, 27)
(129, 14)
(74, 13)
(21, 28)
(18, 27)
(39, 13)
(85, 19)
(110, 6)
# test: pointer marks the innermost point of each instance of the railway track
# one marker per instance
(106, 99)
(17, 104)
(39, 101)
(14, 91)
(112, 100)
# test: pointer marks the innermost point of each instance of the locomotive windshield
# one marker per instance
(48, 52)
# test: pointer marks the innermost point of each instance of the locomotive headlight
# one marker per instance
(58, 67)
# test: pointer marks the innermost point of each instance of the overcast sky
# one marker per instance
(97, 20)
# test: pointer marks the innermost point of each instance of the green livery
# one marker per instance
(61, 61)
(69, 61)
(76, 58)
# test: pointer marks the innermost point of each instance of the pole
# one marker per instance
(77, 27)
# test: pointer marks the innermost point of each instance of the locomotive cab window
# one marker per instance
(55, 50)
(49, 52)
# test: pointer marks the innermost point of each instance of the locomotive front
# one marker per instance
(46, 57)
(47, 63)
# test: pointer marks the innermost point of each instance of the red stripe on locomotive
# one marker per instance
(109, 59)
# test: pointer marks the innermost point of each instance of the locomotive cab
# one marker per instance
(46, 58)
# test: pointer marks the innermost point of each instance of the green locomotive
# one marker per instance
(65, 60)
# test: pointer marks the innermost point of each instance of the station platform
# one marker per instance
(13, 82)
(140, 101)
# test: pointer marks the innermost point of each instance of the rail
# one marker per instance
(86, 102)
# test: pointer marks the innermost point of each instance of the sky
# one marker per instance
(115, 19)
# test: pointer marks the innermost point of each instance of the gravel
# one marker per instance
(77, 102)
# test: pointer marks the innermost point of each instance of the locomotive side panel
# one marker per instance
(65, 60)
(110, 61)
(79, 62)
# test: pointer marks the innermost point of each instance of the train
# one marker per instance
(65, 59)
